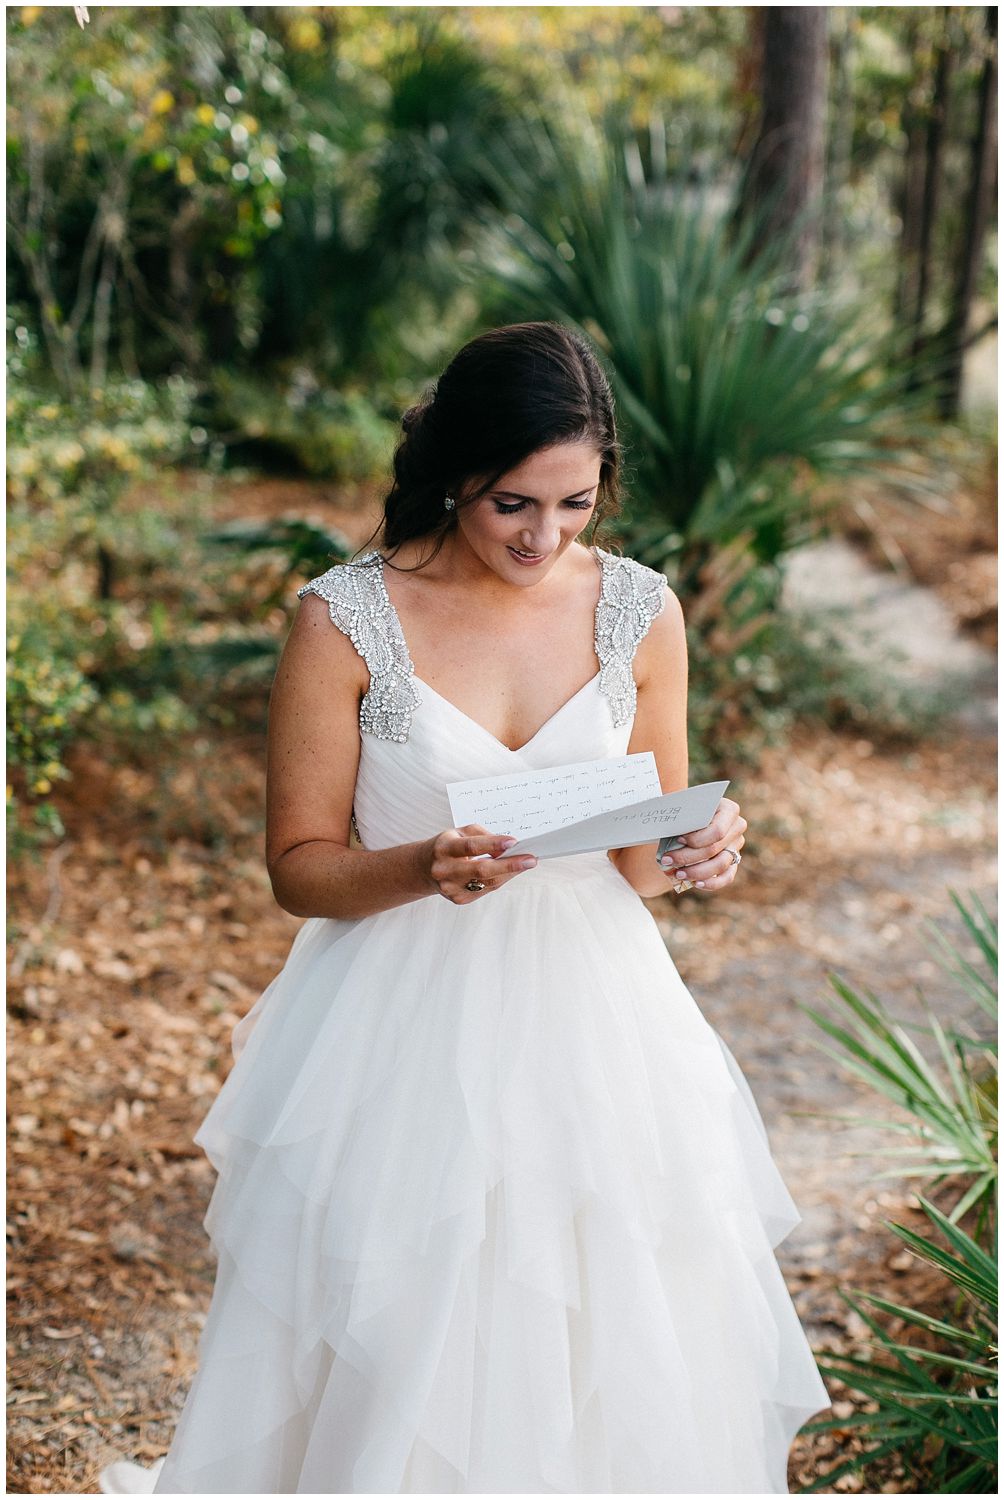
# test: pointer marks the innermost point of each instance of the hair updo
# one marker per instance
(508, 393)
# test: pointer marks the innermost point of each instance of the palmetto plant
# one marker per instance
(951, 1124)
(247, 658)
(303, 546)
(938, 1406)
(732, 390)
(935, 1408)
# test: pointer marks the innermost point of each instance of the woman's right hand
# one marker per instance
(449, 862)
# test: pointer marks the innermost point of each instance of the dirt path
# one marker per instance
(883, 617)
(844, 895)
(136, 949)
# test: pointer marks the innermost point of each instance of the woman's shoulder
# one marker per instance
(346, 587)
(631, 582)
(640, 610)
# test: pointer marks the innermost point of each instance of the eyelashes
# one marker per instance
(510, 510)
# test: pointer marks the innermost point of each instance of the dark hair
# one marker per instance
(508, 393)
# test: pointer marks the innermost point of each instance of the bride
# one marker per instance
(495, 1209)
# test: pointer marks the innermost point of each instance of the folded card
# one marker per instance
(527, 802)
(640, 823)
(584, 806)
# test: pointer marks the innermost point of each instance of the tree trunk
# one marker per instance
(106, 572)
(101, 326)
(186, 304)
(785, 176)
(934, 154)
(746, 84)
(911, 195)
(27, 224)
(838, 166)
(982, 183)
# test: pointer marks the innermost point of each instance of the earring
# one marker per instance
(449, 503)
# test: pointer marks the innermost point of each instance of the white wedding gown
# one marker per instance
(496, 1208)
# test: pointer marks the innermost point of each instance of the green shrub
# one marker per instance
(48, 700)
(69, 467)
(936, 1409)
(78, 542)
(328, 433)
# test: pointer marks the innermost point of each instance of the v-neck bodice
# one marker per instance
(513, 749)
(391, 612)
(413, 740)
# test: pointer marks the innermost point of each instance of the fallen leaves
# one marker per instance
(120, 1022)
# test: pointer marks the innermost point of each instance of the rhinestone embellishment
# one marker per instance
(631, 595)
(360, 606)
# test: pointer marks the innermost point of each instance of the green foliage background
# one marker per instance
(250, 235)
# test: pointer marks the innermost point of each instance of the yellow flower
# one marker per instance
(205, 114)
(185, 170)
(42, 785)
(162, 102)
(30, 14)
(250, 123)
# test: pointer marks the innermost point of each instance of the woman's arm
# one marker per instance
(660, 725)
(313, 758)
(660, 669)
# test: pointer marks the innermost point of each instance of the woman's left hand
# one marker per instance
(705, 861)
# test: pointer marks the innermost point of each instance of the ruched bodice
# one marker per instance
(401, 788)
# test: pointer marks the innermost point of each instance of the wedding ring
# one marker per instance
(475, 885)
(736, 856)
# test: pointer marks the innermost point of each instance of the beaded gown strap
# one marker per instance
(360, 606)
(631, 595)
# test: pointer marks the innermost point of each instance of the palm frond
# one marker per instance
(725, 378)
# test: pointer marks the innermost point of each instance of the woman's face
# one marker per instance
(534, 513)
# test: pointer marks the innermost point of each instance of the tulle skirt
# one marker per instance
(495, 1213)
